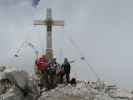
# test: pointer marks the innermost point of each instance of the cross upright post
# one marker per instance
(49, 22)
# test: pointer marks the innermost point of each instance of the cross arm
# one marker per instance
(58, 23)
(39, 22)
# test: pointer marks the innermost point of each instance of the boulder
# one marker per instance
(23, 87)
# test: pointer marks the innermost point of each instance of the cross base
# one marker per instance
(49, 54)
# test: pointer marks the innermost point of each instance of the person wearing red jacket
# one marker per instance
(42, 63)
(42, 66)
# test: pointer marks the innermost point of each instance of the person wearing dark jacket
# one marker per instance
(67, 68)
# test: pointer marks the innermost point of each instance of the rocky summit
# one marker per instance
(18, 85)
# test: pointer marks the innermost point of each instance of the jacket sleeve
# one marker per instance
(62, 66)
(69, 67)
(36, 62)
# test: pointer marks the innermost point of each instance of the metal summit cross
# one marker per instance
(49, 22)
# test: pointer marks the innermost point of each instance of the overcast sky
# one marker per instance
(101, 28)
